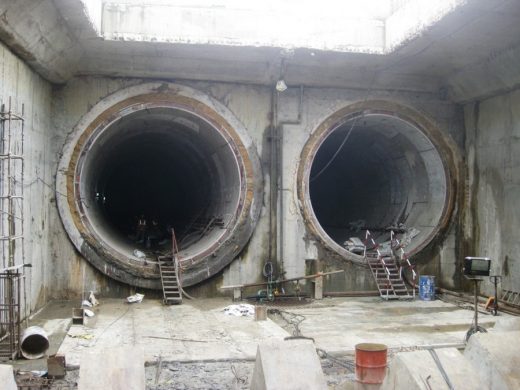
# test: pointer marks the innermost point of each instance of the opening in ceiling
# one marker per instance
(372, 26)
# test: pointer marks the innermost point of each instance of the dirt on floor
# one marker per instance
(232, 375)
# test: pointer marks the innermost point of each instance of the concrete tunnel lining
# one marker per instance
(167, 165)
(391, 170)
(172, 154)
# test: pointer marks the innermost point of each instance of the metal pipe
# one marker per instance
(347, 294)
(280, 187)
(34, 343)
(285, 280)
(273, 251)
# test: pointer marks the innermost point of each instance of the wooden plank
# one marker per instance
(117, 368)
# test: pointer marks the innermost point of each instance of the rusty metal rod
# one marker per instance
(282, 281)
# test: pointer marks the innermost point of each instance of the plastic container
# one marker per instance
(371, 360)
(427, 288)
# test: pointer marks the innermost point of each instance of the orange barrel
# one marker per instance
(370, 362)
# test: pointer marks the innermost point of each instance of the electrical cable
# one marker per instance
(294, 320)
(336, 153)
(349, 132)
(239, 379)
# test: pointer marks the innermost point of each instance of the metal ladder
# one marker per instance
(170, 278)
(168, 268)
(511, 297)
(385, 271)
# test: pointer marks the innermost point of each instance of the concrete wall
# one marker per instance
(25, 87)
(251, 105)
(493, 156)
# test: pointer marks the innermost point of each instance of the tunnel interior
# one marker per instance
(377, 172)
(154, 170)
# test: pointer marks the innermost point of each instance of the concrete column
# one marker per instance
(318, 288)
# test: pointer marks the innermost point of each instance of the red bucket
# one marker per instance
(371, 362)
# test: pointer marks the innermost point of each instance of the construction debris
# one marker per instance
(139, 254)
(240, 310)
(136, 298)
(92, 299)
(354, 245)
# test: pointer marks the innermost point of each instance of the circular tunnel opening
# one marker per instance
(379, 172)
(151, 158)
(158, 169)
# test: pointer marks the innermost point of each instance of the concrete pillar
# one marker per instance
(288, 365)
(318, 287)
(237, 294)
(7, 377)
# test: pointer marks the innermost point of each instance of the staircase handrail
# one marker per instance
(370, 238)
(404, 257)
(177, 264)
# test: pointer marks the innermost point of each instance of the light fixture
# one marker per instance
(281, 86)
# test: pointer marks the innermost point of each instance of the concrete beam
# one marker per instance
(494, 356)
(115, 368)
(418, 370)
(291, 364)
(7, 377)
(496, 75)
(36, 32)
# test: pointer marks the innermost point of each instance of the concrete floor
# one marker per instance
(193, 331)
(199, 331)
(337, 325)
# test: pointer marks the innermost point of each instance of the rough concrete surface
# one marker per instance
(337, 325)
(413, 370)
(199, 330)
(424, 73)
(459, 71)
(196, 346)
(116, 368)
(287, 364)
(187, 332)
(7, 377)
(495, 357)
(250, 105)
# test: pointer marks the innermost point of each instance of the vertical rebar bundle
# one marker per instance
(12, 255)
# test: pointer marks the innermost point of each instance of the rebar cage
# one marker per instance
(10, 282)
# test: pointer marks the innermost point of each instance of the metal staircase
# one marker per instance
(168, 268)
(170, 278)
(386, 271)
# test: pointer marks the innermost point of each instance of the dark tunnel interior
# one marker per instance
(374, 173)
(159, 169)
(148, 177)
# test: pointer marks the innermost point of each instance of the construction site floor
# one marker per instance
(198, 333)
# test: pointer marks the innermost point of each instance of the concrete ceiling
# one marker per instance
(471, 53)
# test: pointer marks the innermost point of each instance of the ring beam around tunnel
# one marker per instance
(168, 155)
(372, 166)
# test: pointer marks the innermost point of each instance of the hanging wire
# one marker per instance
(337, 151)
(369, 89)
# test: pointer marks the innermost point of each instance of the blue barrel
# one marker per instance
(427, 288)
